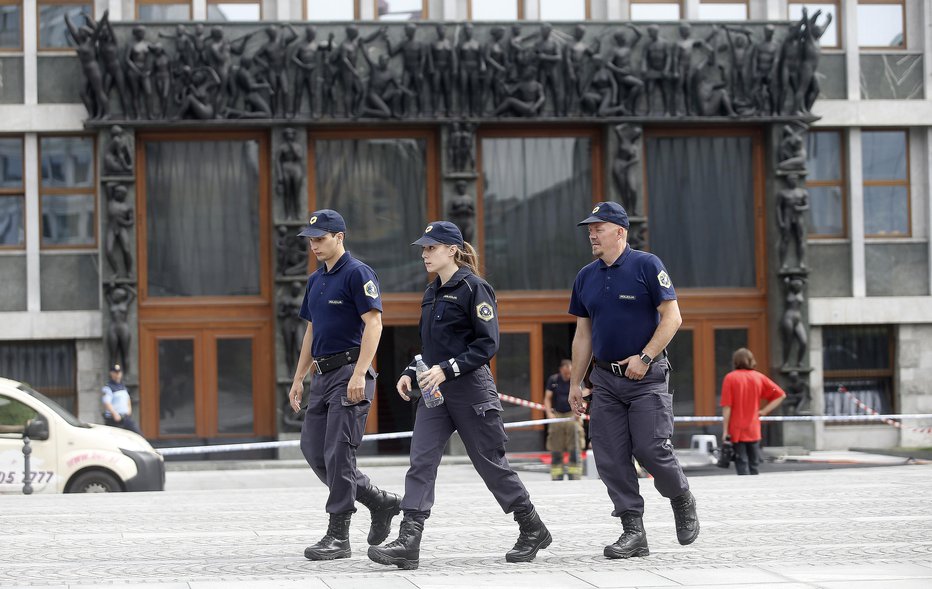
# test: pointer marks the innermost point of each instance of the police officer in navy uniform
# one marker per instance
(343, 308)
(459, 336)
(627, 313)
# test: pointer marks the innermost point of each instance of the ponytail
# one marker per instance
(467, 256)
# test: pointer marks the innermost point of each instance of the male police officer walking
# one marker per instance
(627, 313)
(343, 307)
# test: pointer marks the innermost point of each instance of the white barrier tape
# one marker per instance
(525, 403)
(870, 410)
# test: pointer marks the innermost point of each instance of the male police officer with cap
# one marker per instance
(343, 307)
(627, 313)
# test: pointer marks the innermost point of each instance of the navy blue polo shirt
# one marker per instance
(622, 300)
(335, 301)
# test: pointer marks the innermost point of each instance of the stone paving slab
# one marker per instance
(866, 527)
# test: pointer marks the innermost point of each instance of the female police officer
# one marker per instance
(459, 336)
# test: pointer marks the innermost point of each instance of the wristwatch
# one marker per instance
(646, 359)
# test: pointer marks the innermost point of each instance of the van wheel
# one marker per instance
(94, 482)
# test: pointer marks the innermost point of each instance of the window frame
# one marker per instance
(679, 3)
(588, 16)
(905, 182)
(520, 4)
(71, 191)
(837, 19)
(22, 10)
(39, 5)
(872, 373)
(747, 8)
(377, 18)
(902, 46)
(304, 12)
(139, 3)
(215, 2)
(841, 183)
(19, 192)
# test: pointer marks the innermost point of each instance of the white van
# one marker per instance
(68, 455)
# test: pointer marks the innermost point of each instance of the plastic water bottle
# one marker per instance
(432, 396)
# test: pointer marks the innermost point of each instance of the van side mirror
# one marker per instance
(37, 429)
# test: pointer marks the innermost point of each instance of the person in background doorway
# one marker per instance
(566, 436)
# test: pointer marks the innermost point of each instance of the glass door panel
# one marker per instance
(234, 369)
(682, 377)
(176, 387)
(513, 371)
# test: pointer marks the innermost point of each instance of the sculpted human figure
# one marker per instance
(344, 60)
(576, 56)
(710, 87)
(139, 71)
(600, 92)
(520, 56)
(764, 73)
(218, 55)
(626, 165)
(292, 253)
(272, 57)
(119, 335)
(790, 54)
(118, 160)
(247, 85)
(120, 219)
(739, 45)
(472, 68)
(289, 321)
(496, 61)
(630, 86)
(792, 204)
(682, 67)
(798, 393)
(526, 99)
(109, 51)
(186, 46)
(85, 45)
(383, 92)
(461, 210)
(793, 149)
(414, 62)
(196, 97)
(307, 75)
(441, 66)
(162, 76)
(461, 147)
(807, 89)
(655, 68)
(549, 58)
(792, 328)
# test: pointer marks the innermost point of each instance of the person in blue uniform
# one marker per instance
(118, 407)
(627, 313)
(459, 336)
(343, 308)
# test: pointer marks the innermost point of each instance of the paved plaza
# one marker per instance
(849, 528)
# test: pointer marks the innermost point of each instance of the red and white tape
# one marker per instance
(870, 411)
(525, 403)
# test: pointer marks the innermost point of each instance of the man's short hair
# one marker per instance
(743, 359)
(565, 362)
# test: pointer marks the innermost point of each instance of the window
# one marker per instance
(53, 33)
(830, 38)
(724, 10)
(50, 367)
(401, 9)
(11, 25)
(14, 416)
(67, 192)
(162, 10)
(564, 9)
(12, 205)
(496, 10)
(331, 10)
(234, 11)
(885, 165)
(858, 359)
(826, 184)
(882, 23)
(655, 10)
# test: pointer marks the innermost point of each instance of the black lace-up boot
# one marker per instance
(335, 543)
(383, 506)
(633, 542)
(687, 522)
(403, 552)
(534, 536)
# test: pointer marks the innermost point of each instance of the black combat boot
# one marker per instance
(633, 542)
(335, 543)
(534, 536)
(403, 552)
(687, 522)
(383, 506)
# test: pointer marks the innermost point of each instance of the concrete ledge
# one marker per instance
(51, 325)
(869, 310)
(37, 118)
(871, 113)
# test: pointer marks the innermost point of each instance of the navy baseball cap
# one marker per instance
(116, 368)
(441, 232)
(607, 212)
(323, 222)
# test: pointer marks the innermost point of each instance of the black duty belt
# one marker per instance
(331, 363)
(618, 369)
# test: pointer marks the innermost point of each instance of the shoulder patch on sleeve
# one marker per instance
(664, 279)
(371, 290)
(484, 311)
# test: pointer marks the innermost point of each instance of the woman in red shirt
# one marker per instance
(742, 391)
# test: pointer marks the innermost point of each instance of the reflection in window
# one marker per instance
(830, 36)
(724, 11)
(885, 165)
(880, 25)
(497, 10)
(67, 191)
(202, 196)
(825, 184)
(12, 222)
(330, 10)
(234, 386)
(176, 387)
(400, 9)
(858, 359)
(655, 11)
(562, 10)
(234, 11)
(53, 33)
(532, 186)
(380, 188)
(163, 12)
(50, 367)
(67, 162)
(700, 192)
(10, 18)
(68, 219)
(12, 207)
